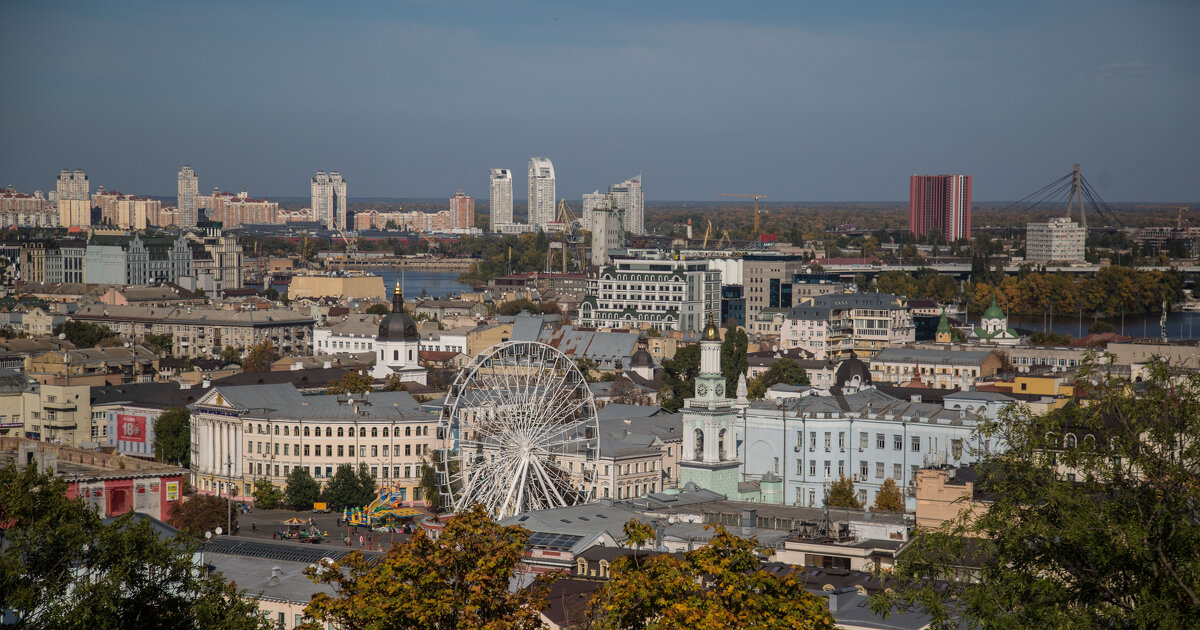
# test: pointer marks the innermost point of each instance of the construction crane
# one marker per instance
(707, 233)
(725, 241)
(571, 233)
(756, 198)
(428, 241)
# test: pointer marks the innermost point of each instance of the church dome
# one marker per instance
(993, 311)
(710, 331)
(641, 358)
(853, 373)
(398, 325)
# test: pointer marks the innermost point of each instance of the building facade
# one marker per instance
(187, 196)
(942, 203)
(329, 199)
(462, 210)
(628, 196)
(500, 199)
(608, 235)
(204, 332)
(52, 261)
(541, 192)
(127, 212)
(1058, 240)
(836, 324)
(25, 210)
(647, 293)
(936, 368)
(767, 281)
(73, 185)
(133, 259)
(235, 210)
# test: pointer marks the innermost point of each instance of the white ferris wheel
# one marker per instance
(518, 432)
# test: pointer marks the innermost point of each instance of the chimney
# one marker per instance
(206, 383)
(841, 598)
(327, 365)
(276, 573)
(749, 522)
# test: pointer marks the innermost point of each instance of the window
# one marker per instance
(329, 432)
(862, 469)
(249, 447)
(362, 432)
(812, 440)
(329, 450)
(897, 442)
(862, 441)
(285, 449)
(916, 444)
(842, 441)
(841, 468)
(385, 450)
(776, 465)
(374, 451)
(329, 471)
(827, 441)
(897, 471)
(408, 449)
(277, 429)
(385, 431)
(375, 471)
(879, 441)
(879, 470)
(828, 468)
(340, 432)
(350, 450)
(375, 431)
(277, 448)
(306, 450)
(285, 430)
(956, 447)
(407, 431)
(812, 498)
(812, 467)
(305, 431)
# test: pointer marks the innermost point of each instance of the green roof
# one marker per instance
(993, 311)
(943, 323)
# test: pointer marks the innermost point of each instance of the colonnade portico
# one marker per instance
(218, 444)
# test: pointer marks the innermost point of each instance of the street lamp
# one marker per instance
(229, 504)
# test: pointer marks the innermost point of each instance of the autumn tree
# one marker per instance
(231, 355)
(173, 436)
(393, 383)
(458, 581)
(202, 513)
(888, 499)
(717, 586)
(734, 361)
(679, 376)
(62, 567)
(842, 495)
(302, 490)
(266, 495)
(625, 391)
(352, 382)
(1092, 519)
(260, 357)
(378, 309)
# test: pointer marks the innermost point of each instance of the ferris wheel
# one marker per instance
(518, 432)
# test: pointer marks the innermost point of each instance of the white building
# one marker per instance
(188, 193)
(652, 293)
(608, 235)
(628, 196)
(833, 325)
(1058, 240)
(398, 344)
(500, 201)
(329, 199)
(74, 185)
(591, 201)
(541, 192)
(356, 333)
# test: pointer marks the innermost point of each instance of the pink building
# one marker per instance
(942, 203)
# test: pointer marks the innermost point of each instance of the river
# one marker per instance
(1179, 325)
(434, 283)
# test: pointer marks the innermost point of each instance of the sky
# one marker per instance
(799, 101)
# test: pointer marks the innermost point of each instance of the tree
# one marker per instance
(1092, 521)
(161, 343)
(784, 371)
(61, 567)
(430, 489)
(679, 376)
(734, 361)
(378, 309)
(202, 513)
(366, 485)
(231, 355)
(271, 293)
(302, 490)
(173, 436)
(346, 489)
(83, 334)
(266, 495)
(458, 581)
(626, 392)
(842, 495)
(888, 499)
(352, 382)
(393, 383)
(719, 585)
(260, 357)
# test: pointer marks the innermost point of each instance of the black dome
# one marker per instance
(398, 325)
(848, 370)
(641, 358)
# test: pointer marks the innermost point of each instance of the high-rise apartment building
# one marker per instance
(1060, 239)
(329, 199)
(74, 185)
(541, 192)
(188, 189)
(628, 197)
(500, 201)
(462, 210)
(235, 210)
(942, 203)
(591, 202)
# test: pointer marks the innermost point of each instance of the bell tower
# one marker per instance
(709, 458)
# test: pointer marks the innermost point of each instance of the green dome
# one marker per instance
(993, 311)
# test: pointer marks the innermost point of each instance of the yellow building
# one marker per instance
(359, 287)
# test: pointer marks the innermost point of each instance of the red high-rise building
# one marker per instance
(462, 210)
(942, 203)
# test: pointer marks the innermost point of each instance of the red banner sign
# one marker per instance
(131, 428)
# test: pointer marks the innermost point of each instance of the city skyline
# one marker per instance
(797, 101)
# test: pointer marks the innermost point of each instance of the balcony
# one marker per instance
(63, 405)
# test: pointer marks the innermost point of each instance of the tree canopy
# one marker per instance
(378, 309)
(302, 490)
(718, 586)
(83, 334)
(266, 495)
(842, 494)
(679, 376)
(458, 581)
(1093, 518)
(348, 488)
(784, 371)
(173, 436)
(61, 567)
(734, 361)
(260, 357)
(888, 499)
(202, 513)
(352, 382)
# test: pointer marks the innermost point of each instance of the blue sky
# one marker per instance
(800, 101)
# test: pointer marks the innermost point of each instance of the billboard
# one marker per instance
(131, 428)
(172, 490)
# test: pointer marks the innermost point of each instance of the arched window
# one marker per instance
(407, 431)
(375, 431)
(395, 355)
(329, 431)
(581, 566)
(362, 432)
(385, 431)
(305, 431)
(277, 429)
(721, 445)
(285, 430)
(296, 430)
(341, 432)
(1069, 441)
(604, 568)
(699, 445)
(260, 428)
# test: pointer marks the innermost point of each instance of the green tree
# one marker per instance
(173, 436)
(393, 383)
(888, 499)
(302, 490)
(366, 485)
(271, 293)
(352, 382)
(231, 355)
(458, 581)
(346, 489)
(379, 309)
(160, 343)
(430, 489)
(61, 567)
(1093, 521)
(83, 334)
(785, 371)
(587, 367)
(260, 357)
(266, 495)
(679, 376)
(202, 513)
(719, 586)
(842, 495)
(734, 361)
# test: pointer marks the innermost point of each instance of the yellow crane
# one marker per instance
(707, 233)
(756, 198)
(725, 241)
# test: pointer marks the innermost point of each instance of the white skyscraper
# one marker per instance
(592, 201)
(628, 197)
(541, 192)
(188, 194)
(500, 202)
(329, 199)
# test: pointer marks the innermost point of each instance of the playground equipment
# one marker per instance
(387, 510)
(296, 529)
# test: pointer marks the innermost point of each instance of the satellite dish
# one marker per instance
(774, 348)
(62, 335)
(218, 530)
(672, 519)
(208, 534)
